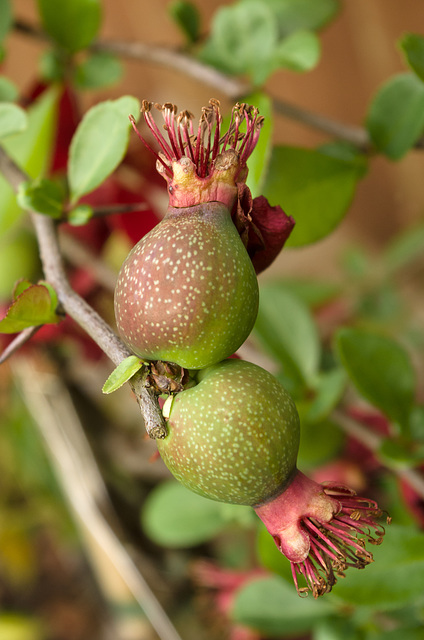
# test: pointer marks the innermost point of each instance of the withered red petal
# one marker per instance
(274, 227)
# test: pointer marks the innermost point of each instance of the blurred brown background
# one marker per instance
(359, 53)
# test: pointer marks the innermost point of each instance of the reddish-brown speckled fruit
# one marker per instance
(188, 293)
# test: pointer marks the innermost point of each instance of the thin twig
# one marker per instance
(373, 442)
(232, 87)
(74, 463)
(356, 136)
(77, 308)
(18, 342)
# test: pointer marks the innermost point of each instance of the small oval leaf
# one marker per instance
(43, 196)
(99, 144)
(176, 517)
(33, 307)
(31, 150)
(6, 18)
(292, 15)
(412, 44)
(271, 606)
(314, 188)
(20, 287)
(123, 372)
(286, 329)
(186, 15)
(80, 215)
(381, 371)
(13, 119)
(75, 25)
(9, 92)
(395, 119)
(100, 69)
(300, 51)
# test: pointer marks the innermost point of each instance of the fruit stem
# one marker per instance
(147, 401)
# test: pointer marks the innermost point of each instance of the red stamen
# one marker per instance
(330, 545)
(321, 534)
(218, 120)
(158, 135)
(169, 117)
(146, 144)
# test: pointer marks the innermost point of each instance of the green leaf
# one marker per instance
(75, 25)
(18, 259)
(380, 369)
(395, 504)
(123, 372)
(395, 118)
(329, 387)
(13, 119)
(248, 48)
(20, 287)
(43, 196)
(412, 45)
(31, 150)
(80, 215)
(313, 188)
(8, 90)
(314, 293)
(53, 65)
(394, 454)
(407, 632)
(292, 15)
(33, 307)
(287, 331)
(394, 578)
(6, 18)
(320, 441)
(101, 69)
(405, 248)
(54, 301)
(356, 262)
(272, 607)
(259, 160)
(257, 37)
(176, 517)
(416, 423)
(346, 152)
(186, 15)
(383, 306)
(99, 144)
(300, 51)
(338, 629)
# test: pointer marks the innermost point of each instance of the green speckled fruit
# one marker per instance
(187, 293)
(234, 437)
